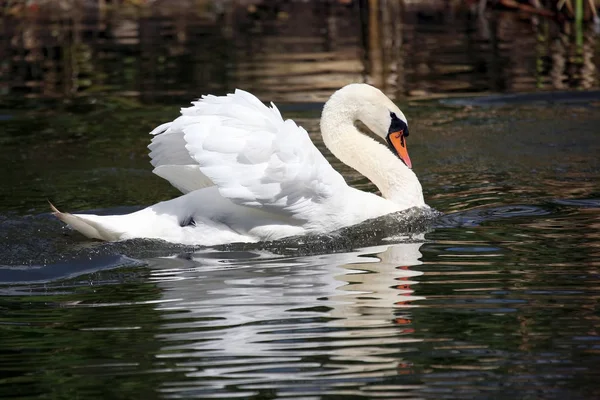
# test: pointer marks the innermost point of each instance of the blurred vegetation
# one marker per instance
(145, 50)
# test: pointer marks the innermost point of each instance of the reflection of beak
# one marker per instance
(397, 142)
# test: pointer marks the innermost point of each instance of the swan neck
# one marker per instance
(372, 159)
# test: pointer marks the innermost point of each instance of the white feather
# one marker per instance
(171, 160)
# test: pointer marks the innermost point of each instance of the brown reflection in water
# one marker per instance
(286, 51)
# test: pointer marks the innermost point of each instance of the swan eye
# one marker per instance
(397, 125)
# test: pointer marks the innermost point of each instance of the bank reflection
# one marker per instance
(285, 51)
(254, 321)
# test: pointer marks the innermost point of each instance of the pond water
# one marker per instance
(497, 298)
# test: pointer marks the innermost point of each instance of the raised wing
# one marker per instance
(257, 159)
(171, 159)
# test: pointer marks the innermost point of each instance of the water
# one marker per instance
(498, 297)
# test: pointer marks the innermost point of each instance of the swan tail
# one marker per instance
(88, 225)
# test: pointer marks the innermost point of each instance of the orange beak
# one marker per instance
(397, 141)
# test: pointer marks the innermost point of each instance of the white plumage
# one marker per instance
(248, 175)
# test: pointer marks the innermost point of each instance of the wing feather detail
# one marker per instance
(257, 159)
(171, 159)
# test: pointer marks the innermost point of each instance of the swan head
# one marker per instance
(376, 111)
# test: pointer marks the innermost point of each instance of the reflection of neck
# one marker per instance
(389, 282)
(372, 159)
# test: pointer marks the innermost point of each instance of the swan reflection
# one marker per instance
(250, 319)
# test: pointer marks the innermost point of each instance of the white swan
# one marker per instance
(247, 175)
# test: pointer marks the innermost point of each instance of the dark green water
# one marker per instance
(498, 298)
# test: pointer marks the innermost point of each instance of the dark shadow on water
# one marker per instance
(64, 270)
